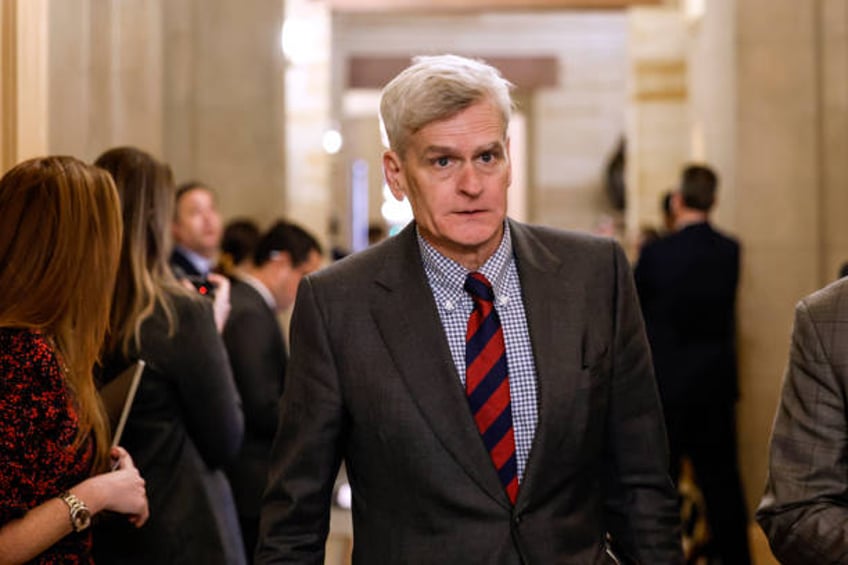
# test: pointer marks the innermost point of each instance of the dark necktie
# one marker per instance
(486, 382)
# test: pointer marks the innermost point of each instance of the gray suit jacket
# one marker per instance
(371, 379)
(804, 511)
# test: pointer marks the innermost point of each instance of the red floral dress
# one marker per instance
(37, 429)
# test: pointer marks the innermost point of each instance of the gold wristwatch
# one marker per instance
(80, 514)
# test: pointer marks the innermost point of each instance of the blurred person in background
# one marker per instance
(60, 238)
(196, 230)
(687, 285)
(240, 238)
(186, 421)
(266, 287)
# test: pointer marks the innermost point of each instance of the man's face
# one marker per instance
(455, 173)
(286, 291)
(197, 225)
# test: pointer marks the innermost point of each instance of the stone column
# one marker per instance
(23, 86)
(658, 116)
(308, 116)
(223, 107)
(105, 69)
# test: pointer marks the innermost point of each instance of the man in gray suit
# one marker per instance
(488, 383)
(804, 511)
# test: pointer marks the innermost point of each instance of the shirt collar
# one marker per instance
(201, 263)
(451, 275)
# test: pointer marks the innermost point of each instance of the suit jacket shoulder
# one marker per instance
(805, 503)
(829, 303)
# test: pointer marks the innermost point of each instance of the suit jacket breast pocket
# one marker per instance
(581, 408)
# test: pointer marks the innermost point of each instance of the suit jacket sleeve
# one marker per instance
(258, 374)
(804, 511)
(641, 504)
(306, 454)
(213, 412)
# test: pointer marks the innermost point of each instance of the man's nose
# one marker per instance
(469, 180)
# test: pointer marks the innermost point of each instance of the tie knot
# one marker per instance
(478, 286)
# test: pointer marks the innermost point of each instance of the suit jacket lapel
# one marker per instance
(405, 312)
(555, 311)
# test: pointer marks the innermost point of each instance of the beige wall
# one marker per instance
(105, 76)
(198, 83)
(224, 102)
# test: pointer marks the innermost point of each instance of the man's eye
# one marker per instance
(487, 157)
(442, 161)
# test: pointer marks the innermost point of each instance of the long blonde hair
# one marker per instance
(146, 190)
(60, 236)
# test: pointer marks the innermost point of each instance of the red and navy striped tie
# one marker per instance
(486, 382)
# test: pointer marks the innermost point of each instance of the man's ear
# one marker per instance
(282, 259)
(392, 170)
(676, 202)
(508, 164)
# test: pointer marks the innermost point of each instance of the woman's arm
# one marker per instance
(121, 491)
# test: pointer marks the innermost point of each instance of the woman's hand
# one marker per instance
(121, 490)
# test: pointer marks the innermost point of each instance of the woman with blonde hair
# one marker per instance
(60, 234)
(186, 421)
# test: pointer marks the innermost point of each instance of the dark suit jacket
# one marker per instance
(687, 287)
(258, 357)
(186, 423)
(804, 511)
(371, 379)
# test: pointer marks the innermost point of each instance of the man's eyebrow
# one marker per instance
(431, 149)
(444, 149)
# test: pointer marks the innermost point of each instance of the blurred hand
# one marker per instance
(221, 304)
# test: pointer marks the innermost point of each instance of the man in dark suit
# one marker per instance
(687, 287)
(487, 383)
(265, 287)
(196, 231)
(804, 511)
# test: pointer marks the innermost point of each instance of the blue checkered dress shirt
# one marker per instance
(446, 278)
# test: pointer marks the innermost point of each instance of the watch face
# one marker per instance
(82, 518)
